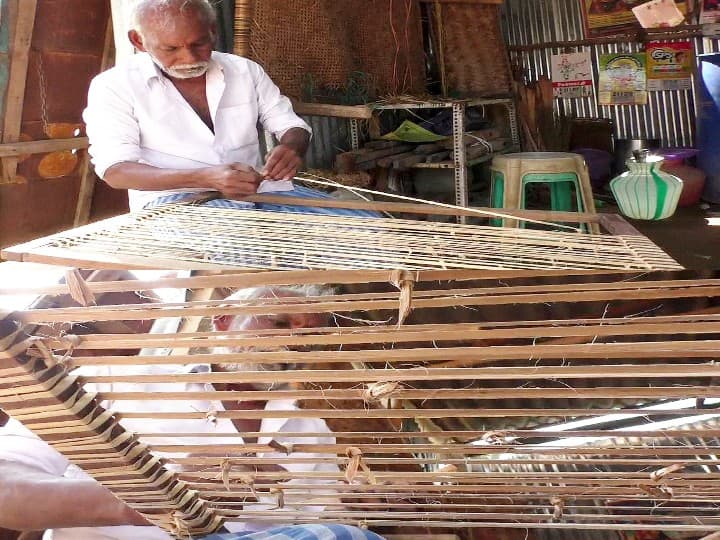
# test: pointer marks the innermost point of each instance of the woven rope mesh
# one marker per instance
(475, 63)
(308, 45)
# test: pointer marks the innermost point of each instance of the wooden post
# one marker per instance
(87, 174)
(24, 21)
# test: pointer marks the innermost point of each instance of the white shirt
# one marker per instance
(18, 444)
(135, 114)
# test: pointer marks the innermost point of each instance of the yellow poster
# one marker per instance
(669, 65)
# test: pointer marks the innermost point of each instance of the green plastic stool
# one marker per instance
(561, 192)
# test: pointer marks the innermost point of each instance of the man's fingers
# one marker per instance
(283, 168)
(273, 160)
(286, 174)
(280, 159)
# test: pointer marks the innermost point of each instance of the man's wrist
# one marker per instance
(297, 139)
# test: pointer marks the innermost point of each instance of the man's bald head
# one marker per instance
(161, 13)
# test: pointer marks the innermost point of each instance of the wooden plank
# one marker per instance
(378, 145)
(350, 161)
(616, 225)
(390, 160)
(361, 112)
(438, 157)
(15, 149)
(22, 37)
(427, 149)
(86, 191)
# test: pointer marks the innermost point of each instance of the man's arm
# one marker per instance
(277, 116)
(235, 180)
(33, 500)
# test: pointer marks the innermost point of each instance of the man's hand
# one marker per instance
(234, 181)
(282, 163)
(285, 159)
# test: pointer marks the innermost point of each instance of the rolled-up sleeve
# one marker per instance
(19, 445)
(111, 125)
(275, 110)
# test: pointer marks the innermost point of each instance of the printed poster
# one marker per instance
(669, 65)
(572, 75)
(710, 12)
(623, 79)
(603, 17)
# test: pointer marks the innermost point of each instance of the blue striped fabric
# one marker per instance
(299, 191)
(302, 532)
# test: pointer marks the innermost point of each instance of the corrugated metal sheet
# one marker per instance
(330, 136)
(668, 116)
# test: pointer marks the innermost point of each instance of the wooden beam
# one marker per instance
(339, 111)
(87, 175)
(640, 36)
(15, 149)
(20, 53)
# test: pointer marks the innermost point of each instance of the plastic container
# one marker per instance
(693, 178)
(708, 124)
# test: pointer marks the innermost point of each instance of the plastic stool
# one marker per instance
(512, 173)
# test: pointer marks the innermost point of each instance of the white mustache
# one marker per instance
(250, 366)
(188, 71)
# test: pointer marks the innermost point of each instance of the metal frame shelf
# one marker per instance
(460, 163)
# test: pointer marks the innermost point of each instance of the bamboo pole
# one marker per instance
(23, 19)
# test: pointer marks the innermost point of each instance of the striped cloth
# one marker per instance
(302, 532)
(299, 191)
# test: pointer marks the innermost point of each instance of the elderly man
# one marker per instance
(179, 120)
(41, 490)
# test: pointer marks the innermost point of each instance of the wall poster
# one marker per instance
(603, 17)
(623, 79)
(669, 65)
(572, 75)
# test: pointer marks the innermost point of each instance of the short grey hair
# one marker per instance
(144, 8)
(301, 291)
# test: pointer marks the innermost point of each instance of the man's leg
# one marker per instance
(302, 532)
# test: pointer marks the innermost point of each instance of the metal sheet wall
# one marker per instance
(330, 136)
(668, 116)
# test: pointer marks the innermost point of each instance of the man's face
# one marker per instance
(180, 43)
(292, 321)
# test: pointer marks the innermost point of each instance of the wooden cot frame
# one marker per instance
(658, 467)
(635, 245)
